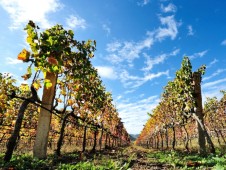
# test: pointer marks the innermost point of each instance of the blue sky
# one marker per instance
(140, 44)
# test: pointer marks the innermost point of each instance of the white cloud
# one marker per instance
(124, 76)
(129, 91)
(143, 2)
(175, 52)
(212, 63)
(131, 50)
(151, 62)
(169, 8)
(219, 71)
(130, 81)
(214, 83)
(123, 53)
(118, 97)
(107, 29)
(114, 59)
(114, 46)
(106, 72)
(21, 11)
(141, 95)
(155, 75)
(190, 30)
(214, 92)
(223, 42)
(76, 22)
(170, 31)
(199, 54)
(136, 112)
(202, 53)
(212, 89)
(149, 77)
(12, 61)
(128, 50)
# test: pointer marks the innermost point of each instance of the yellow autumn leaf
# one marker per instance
(23, 55)
(37, 85)
(70, 102)
(24, 87)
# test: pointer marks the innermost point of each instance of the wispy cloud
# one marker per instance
(212, 89)
(75, 22)
(143, 2)
(213, 93)
(107, 29)
(214, 83)
(21, 11)
(114, 46)
(130, 50)
(12, 61)
(149, 77)
(190, 30)
(202, 53)
(115, 58)
(129, 91)
(171, 29)
(131, 81)
(131, 112)
(106, 72)
(125, 77)
(123, 53)
(169, 8)
(223, 42)
(198, 54)
(127, 50)
(219, 71)
(212, 63)
(175, 52)
(150, 62)
(119, 97)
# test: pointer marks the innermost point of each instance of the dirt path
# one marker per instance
(137, 157)
(140, 160)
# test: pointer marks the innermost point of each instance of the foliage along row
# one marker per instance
(61, 67)
(179, 116)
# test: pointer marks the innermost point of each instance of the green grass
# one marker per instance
(67, 162)
(189, 160)
(120, 159)
(21, 162)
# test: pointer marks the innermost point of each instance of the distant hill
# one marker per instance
(133, 137)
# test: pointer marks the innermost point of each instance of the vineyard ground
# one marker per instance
(131, 157)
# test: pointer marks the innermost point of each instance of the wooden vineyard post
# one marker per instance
(41, 140)
(199, 112)
(202, 133)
